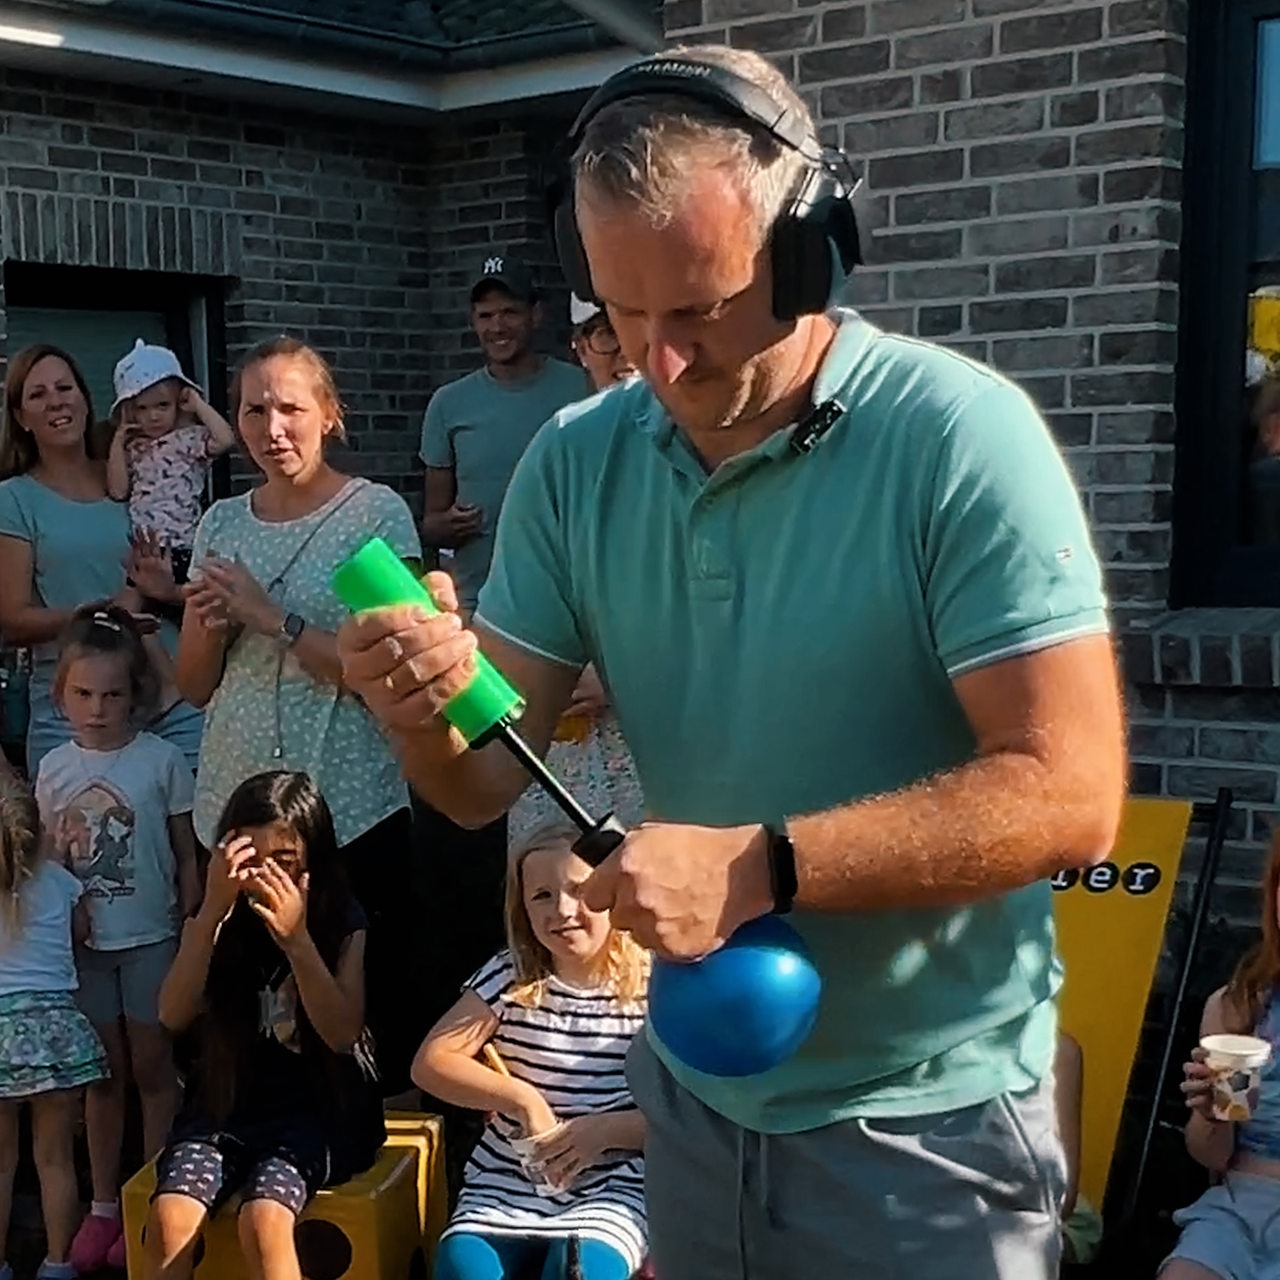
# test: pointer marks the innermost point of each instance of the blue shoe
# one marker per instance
(50, 1271)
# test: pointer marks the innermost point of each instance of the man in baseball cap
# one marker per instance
(476, 428)
(508, 275)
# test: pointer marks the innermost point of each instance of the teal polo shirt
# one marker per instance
(779, 638)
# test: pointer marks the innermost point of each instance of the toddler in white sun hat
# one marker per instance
(166, 434)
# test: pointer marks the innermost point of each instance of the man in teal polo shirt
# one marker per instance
(889, 643)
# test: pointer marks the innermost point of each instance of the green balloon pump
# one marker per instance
(488, 707)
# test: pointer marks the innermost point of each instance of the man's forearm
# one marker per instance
(471, 788)
(433, 535)
(996, 824)
(436, 531)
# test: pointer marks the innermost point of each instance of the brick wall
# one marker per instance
(1021, 164)
(357, 237)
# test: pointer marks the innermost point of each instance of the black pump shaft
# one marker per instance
(600, 836)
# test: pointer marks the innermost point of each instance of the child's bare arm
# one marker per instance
(160, 659)
(182, 837)
(81, 923)
(446, 1067)
(624, 1130)
(222, 436)
(182, 991)
(1210, 1142)
(334, 1001)
(118, 479)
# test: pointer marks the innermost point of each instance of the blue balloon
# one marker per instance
(743, 1009)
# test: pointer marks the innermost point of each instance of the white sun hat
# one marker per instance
(580, 312)
(143, 367)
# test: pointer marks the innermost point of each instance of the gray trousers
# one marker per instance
(965, 1195)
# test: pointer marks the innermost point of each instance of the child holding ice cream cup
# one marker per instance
(1232, 1087)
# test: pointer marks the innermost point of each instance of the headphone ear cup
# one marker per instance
(573, 257)
(814, 247)
(801, 258)
(782, 261)
(557, 194)
(555, 183)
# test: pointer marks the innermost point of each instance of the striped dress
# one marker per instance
(572, 1048)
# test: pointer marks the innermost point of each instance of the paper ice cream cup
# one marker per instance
(527, 1149)
(1236, 1063)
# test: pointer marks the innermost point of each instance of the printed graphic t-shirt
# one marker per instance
(107, 814)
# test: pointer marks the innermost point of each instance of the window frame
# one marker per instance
(1211, 566)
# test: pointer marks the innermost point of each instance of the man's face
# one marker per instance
(504, 325)
(691, 301)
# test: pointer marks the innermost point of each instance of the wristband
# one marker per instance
(782, 869)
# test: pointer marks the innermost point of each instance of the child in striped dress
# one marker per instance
(553, 1017)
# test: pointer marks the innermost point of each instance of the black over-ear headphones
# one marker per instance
(814, 242)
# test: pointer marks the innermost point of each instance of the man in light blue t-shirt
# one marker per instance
(476, 428)
(862, 660)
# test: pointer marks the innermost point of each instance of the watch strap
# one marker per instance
(782, 869)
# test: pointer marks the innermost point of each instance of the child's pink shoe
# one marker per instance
(92, 1245)
(116, 1255)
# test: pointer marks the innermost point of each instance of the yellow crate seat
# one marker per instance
(382, 1225)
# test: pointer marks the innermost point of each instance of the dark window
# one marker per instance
(97, 313)
(1227, 482)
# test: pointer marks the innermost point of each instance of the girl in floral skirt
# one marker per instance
(48, 1049)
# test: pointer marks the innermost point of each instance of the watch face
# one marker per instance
(293, 625)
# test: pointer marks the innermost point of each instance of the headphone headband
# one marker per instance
(813, 241)
(703, 82)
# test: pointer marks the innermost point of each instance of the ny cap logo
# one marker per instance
(493, 266)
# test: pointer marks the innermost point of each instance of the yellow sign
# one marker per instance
(1110, 921)
(1264, 324)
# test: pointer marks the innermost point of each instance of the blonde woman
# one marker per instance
(258, 650)
(552, 1016)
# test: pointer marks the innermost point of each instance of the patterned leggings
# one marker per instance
(209, 1173)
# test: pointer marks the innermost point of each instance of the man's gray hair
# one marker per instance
(644, 151)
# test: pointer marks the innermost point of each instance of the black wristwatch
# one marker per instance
(291, 628)
(782, 869)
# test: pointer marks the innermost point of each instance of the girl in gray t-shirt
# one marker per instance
(115, 803)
